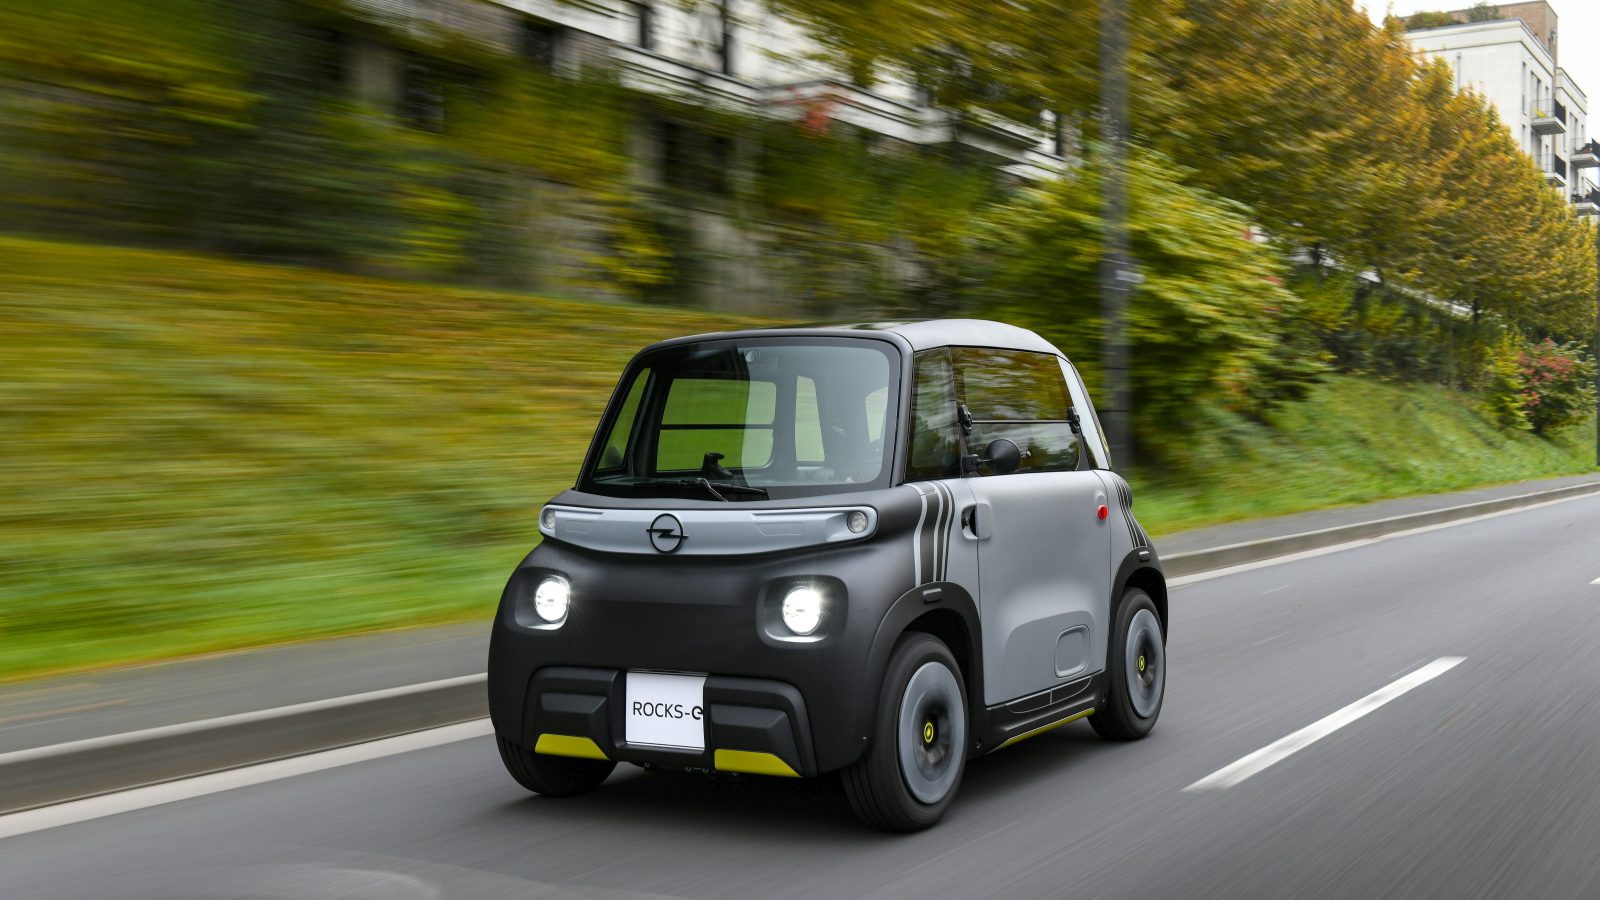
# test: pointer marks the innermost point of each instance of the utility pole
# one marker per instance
(1117, 276)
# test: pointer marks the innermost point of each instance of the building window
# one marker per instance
(422, 95)
(647, 25)
(725, 39)
(541, 44)
(694, 160)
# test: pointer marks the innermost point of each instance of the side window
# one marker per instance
(935, 435)
(1022, 397)
(1094, 436)
(615, 455)
(807, 423)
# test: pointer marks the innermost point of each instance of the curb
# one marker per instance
(43, 776)
(1197, 561)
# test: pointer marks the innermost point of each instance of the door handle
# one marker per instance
(977, 520)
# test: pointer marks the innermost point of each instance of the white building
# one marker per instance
(1512, 61)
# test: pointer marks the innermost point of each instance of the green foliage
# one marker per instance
(855, 217)
(1351, 440)
(1206, 321)
(292, 453)
(1483, 11)
(1506, 385)
(1429, 19)
(1333, 133)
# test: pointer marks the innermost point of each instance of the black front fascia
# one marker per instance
(703, 614)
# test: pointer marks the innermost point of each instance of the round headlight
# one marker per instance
(550, 600)
(547, 519)
(802, 610)
(856, 522)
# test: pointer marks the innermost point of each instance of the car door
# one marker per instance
(1044, 585)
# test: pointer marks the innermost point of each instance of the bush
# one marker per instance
(1557, 385)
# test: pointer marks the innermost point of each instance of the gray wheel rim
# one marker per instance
(932, 731)
(1145, 664)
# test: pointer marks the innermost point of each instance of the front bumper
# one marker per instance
(751, 724)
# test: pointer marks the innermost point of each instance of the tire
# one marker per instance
(553, 776)
(1136, 671)
(914, 763)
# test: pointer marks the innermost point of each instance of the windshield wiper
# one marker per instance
(717, 489)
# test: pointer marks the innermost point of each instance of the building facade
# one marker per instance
(734, 57)
(1514, 62)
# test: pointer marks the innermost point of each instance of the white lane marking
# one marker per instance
(76, 811)
(183, 728)
(1596, 581)
(1281, 587)
(1360, 542)
(1281, 749)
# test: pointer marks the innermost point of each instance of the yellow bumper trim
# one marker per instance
(568, 745)
(1043, 728)
(753, 763)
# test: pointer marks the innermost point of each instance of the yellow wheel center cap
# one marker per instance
(927, 732)
(1141, 664)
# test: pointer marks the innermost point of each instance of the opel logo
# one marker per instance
(666, 533)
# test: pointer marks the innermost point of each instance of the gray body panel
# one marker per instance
(1044, 580)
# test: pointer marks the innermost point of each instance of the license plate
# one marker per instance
(666, 710)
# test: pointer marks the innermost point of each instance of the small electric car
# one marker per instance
(877, 550)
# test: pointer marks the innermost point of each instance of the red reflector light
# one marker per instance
(1104, 511)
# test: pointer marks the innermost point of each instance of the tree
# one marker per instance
(1205, 323)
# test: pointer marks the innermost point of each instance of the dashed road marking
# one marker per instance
(1283, 748)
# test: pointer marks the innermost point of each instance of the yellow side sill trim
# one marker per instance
(568, 745)
(752, 763)
(1043, 728)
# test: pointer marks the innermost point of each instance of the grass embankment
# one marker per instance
(1354, 440)
(204, 454)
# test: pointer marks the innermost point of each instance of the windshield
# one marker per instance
(790, 416)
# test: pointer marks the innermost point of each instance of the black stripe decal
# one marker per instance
(925, 537)
(949, 509)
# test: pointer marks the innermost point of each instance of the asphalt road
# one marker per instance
(1482, 782)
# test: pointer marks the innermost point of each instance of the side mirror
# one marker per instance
(1003, 456)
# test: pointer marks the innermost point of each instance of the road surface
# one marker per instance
(1417, 716)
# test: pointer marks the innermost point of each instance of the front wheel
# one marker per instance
(918, 753)
(1136, 667)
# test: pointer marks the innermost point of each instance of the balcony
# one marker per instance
(1554, 169)
(1586, 157)
(1549, 117)
(1587, 204)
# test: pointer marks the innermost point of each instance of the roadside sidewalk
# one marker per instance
(85, 734)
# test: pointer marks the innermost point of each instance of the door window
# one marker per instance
(935, 433)
(1022, 397)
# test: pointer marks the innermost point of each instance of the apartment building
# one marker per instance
(1513, 60)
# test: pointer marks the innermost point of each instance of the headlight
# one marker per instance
(547, 519)
(802, 610)
(550, 600)
(856, 522)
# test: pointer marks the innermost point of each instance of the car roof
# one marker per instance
(926, 334)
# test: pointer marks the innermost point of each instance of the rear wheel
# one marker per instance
(553, 776)
(1136, 666)
(912, 769)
